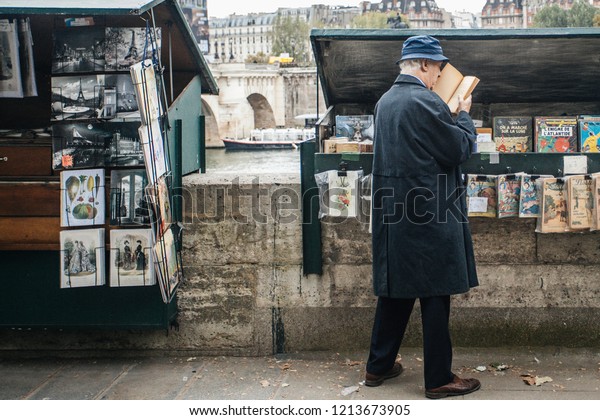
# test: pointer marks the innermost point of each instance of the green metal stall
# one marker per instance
(530, 72)
(29, 188)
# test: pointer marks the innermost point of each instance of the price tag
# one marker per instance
(478, 204)
(575, 165)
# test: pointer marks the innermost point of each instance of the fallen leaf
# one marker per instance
(528, 379)
(480, 368)
(285, 366)
(542, 380)
(349, 390)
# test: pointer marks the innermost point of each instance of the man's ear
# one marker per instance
(424, 65)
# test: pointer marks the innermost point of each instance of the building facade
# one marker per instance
(502, 14)
(420, 13)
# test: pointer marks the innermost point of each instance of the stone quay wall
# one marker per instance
(245, 292)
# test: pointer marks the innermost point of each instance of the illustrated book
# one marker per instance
(555, 134)
(554, 206)
(529, 201)
(513, 134)
(354, 127)
(82, 258)
(482, 197)
(509, 191)
(131, 258)
(451, 84)
(128, 203)
(589, 134)
(82, 199)
(581, 201)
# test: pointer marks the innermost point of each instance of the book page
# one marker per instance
(448, 82)
(463, 90)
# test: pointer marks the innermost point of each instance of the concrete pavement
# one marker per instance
(562, 374)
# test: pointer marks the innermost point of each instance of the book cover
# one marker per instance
(589, 134)
(482, 197)
(581, 201)
(509, 191)
(554, 206)
(82, 258)
(555, 134)
(529, 201)
(128, 204)
(452, 84)
(131, 258)
(355, 127)
(513, 134)
(82, 197)
(343, 188)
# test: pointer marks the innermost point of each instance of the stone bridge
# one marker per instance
(258, 96)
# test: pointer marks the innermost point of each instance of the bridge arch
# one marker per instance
(211, 126)
(264, 117)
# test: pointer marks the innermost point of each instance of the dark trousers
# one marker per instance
(391, 318)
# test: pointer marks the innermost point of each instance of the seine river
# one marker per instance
(252, 161)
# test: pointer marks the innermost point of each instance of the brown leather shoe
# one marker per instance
(376, 380)
(457, 387)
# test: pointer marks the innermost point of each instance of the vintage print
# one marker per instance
(509, 191)
(482, 197)
(78, 145)
(125, 46)
(78, 50)
(554, 206)
(159, 197)
(10, 69)
(343, 193)
(354, 127)
(82, 198)
(131, 262)
(154, 151)
(168, 265)
(26, 58)
(128, 203)
(82, 258)
(146, 88)
(581, 201)
(76, 97)
(126, 105)
(529, 203)
(589, 135)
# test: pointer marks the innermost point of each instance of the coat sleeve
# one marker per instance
(449, 141)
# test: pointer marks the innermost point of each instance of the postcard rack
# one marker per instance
(30, 250)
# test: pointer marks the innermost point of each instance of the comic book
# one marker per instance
(596, 197)
(581, 201)
(509, 191)
(554, 206)
(481, 195)
(513, 134)
(589, 133)
(555, 134)
(529, 200)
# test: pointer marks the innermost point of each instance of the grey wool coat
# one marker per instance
(421, 240)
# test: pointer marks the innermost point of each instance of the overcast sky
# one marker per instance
(223, 8)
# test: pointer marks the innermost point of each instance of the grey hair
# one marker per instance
(410, 65)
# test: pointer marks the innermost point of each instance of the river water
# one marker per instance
(252, 161)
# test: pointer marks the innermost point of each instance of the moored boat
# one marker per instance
(288, 138)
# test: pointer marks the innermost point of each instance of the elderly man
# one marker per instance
(422, 246)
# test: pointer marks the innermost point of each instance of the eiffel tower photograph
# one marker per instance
(125, 46)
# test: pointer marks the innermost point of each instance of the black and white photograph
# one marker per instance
(126, 46)
(75, 97)
(128, 202)
(127, 105)
(26, 58)
(10, 69)
(82, 258)
(78, 50)
(78, 145)
(131, 262)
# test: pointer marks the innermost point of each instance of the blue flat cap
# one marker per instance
(422, 46)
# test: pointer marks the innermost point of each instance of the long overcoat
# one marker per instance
(422, 244)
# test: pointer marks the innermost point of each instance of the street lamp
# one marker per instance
(231, 57)
(216, 50)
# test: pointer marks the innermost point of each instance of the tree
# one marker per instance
(550, 17)
(258, 58)
(291, 35)
(581, 14)
(378, 20)
(597, 19)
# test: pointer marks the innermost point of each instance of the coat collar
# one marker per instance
(406, 78)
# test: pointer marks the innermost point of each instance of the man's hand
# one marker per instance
(465, 104)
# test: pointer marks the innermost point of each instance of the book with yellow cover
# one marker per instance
(452, 84)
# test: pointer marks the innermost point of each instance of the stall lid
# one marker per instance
(116, 8)
(357, 66)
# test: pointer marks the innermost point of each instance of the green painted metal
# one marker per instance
(187, 108)
(532, 163)
(311, 225)
(35, 300)
(202, 151)
(77, 7)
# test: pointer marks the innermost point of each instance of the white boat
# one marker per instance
(271, 138)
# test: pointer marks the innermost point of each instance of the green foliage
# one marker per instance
(582, 14)
(597, 20)
(291, 35)
(258, 58)
(370, 20)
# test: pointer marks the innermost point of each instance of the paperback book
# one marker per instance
(509, 191)
(82, 199)
(554, 206)
(581, 201)
(589, 134)
(482, 197)
(529, 201)
(556, 134)
(131, 258)
(82, 258)
(513, 134)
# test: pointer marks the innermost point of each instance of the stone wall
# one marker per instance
(245, 293)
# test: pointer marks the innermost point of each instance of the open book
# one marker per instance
(451, 84)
